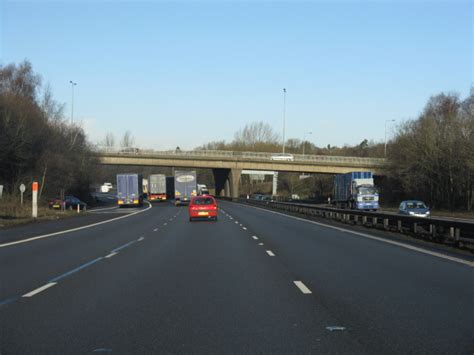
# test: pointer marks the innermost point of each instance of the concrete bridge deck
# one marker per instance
(227, 165)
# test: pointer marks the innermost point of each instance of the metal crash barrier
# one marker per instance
(441, 230)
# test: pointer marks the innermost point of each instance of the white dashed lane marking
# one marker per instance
(269, 252)
(39, 289)
(255, 237)
(260, 243)
(302, 287)
(154, 230)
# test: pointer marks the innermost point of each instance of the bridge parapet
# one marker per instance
(246, 156)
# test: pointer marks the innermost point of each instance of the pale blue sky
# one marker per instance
(188, 72)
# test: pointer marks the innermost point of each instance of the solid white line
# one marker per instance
(111, 254)
(140, 239)
(255, 237)
(73, 229)
(39, 289)
(302, 287)
(368, 236)
(269, 252)
(103, 209)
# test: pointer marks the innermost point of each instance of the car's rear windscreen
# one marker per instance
(203, 201)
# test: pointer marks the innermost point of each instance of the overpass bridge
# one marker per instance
(227, 166)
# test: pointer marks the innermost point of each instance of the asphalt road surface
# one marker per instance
(252, 282)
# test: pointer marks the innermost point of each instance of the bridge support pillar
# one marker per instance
(221, 176)
(227, 189)
(227, 182)
(234, 179)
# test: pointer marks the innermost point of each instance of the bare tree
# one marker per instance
(109, 141)
(256, 133)
(127, 140)
(431, 157)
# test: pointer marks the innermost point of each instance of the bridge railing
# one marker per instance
(453, 232)
(237, 155)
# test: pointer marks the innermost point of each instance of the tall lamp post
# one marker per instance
(304, 139)
(385, 145)
(284, 118)
(72, 100)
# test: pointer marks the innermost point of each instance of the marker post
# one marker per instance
(22, 190)
(34, 213)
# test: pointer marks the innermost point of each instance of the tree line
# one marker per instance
(36, 141)
(432, 156)
(261, 137)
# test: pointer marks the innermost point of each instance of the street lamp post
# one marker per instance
(284, 118)
(385, 145)
(72, 100)
(304, 139)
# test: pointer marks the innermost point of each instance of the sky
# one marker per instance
(184, 73)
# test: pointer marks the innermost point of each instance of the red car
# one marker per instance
(202, 207)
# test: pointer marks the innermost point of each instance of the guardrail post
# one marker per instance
(399, 226)
(356, 219)
(364, 220)
(433, 230)
(374, 221)
(451, 232)
(415, 227)
(385, 223)
(457, 234)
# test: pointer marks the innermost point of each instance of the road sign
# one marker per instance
(35, 200)
(22, 189)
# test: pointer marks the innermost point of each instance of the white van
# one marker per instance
(283, 157)
(106, 187)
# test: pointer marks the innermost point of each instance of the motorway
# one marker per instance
(255, 281)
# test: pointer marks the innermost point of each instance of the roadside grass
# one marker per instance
(12, 213)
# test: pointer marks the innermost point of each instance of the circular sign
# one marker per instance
(22, 188)
(185, 178)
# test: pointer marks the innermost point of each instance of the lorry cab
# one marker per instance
(356, 190)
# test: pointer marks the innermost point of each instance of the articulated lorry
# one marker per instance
(185, 186)
(355, 190)
(157, 187)
(129, 190)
